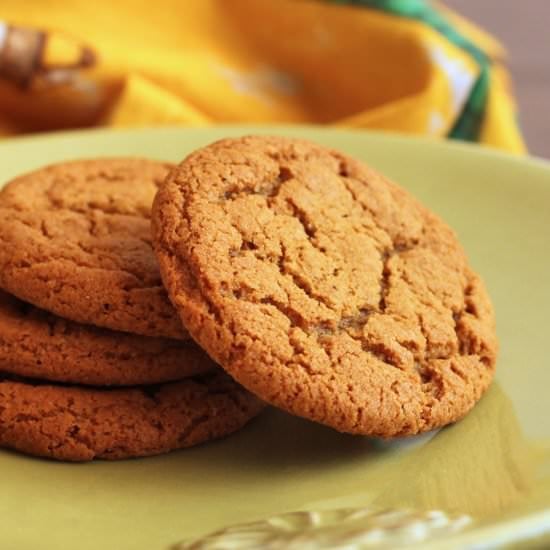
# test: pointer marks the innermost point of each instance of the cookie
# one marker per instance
(75, 240)
(324, 288)
(38, 344)
(78, 424)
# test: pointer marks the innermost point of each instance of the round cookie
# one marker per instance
(75, 240)
(78, 424)
(38, 344)
(323, 288)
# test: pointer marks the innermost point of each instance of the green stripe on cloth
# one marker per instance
(468, 125)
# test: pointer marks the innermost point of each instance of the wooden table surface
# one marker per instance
(524, 28)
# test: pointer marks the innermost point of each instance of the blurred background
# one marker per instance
(453, 69)
(524, 29)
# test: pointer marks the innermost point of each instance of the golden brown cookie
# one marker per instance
(77, 424)
(323, 288)
(38, 344)
(75, 240)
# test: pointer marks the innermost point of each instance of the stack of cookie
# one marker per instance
(317, 285)
(93, 359)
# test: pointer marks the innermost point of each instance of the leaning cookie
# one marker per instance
(75, 240)
(323, 288)
(79, 424)
(38, 344)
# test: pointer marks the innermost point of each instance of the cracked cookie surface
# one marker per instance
(75, 240)
(38, 344)
(79, 424)
(324, 288)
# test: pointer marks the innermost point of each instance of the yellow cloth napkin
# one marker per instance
(403, 65)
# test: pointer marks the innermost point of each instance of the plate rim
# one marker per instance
(477, 149)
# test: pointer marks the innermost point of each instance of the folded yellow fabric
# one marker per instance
(410, 66)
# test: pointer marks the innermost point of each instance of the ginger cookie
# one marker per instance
(38, 344)
(323, 288)
(78, 424)
(75, 240)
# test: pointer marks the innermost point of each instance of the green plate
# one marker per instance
(482, 481)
